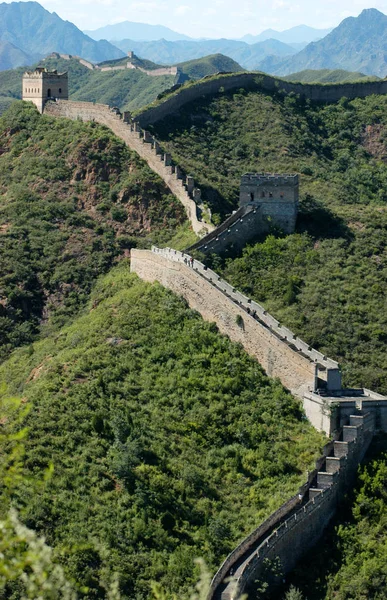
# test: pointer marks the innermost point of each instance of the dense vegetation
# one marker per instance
(168, 442)
(73, 200)
(328, 280)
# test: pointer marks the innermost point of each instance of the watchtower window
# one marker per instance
(252, 196)
(48, 93)
(60, 90)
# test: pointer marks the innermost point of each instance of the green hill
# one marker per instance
(168, 441)
(129, 89)
(67, 213)
(209, 65)
(328, 76)
(327, 280)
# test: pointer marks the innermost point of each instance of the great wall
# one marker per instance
(349, 417)
(182, 186)
(159, 72)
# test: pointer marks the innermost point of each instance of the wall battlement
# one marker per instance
(269, 179)
(142, 142)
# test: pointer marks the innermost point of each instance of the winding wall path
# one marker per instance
(142, 143)
(299, 523)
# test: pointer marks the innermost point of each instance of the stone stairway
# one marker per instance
(317, 504)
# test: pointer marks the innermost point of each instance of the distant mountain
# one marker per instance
(296, 35)
(357, 44)
(329, 76)
(37, 32)
(136, 31)
(11, 56)
(167, 53)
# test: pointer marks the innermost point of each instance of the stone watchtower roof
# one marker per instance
(42, 73)
(270, 179)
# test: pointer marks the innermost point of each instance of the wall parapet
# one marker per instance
(144, 144)
(257, 80)
(251, 307)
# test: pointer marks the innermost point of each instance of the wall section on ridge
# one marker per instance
(215, 85)
(134, 138)
(295, 371)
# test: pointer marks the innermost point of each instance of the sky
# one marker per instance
(212, 18)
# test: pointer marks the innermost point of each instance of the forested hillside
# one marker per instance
(168, 442)
(327, 281)
(73, 200)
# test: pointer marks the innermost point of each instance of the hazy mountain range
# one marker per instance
(28, 32)
(247, 55)
(357, 44)
(301, 34)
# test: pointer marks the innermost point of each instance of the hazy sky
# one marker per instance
(212, 18)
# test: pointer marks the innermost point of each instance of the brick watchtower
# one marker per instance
(41, 85)
(275, 195)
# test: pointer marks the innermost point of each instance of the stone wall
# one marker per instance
(276, 348)
(298, 525)
(316, 92)
(145, 145)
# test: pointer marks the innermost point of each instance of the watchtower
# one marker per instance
(42, 85)
(276, 196)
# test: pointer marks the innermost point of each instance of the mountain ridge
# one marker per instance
(294, 35)
(35, 31)
(165, 52)
(356, 44)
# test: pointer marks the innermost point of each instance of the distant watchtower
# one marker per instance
(41, 85)
(276, 197)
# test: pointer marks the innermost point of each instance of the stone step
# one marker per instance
(340, 449)
(356, 420)
(349, 433)
(313, 492)
(333, 464)
(325, 480)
